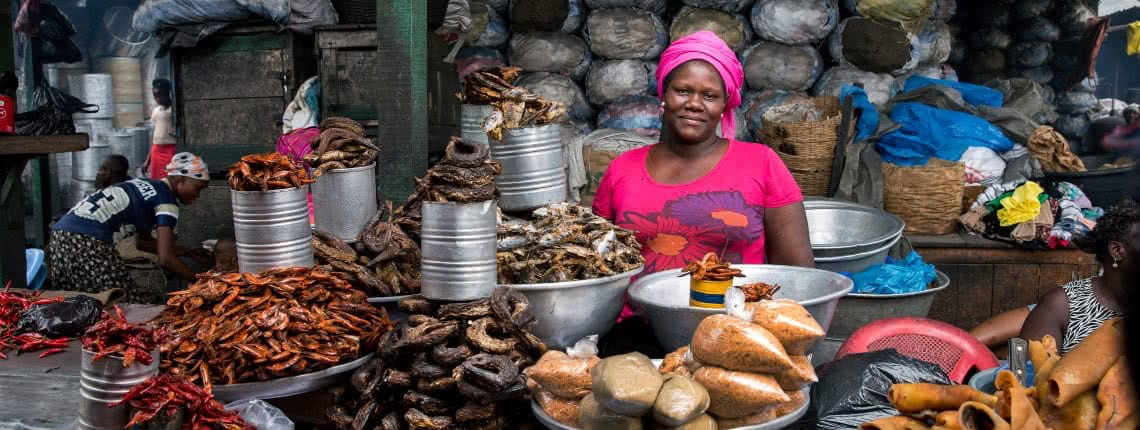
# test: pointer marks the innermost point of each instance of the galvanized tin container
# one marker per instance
(272, 229)
(458, 247)
(471, 123)
(124, 142)
(533, 169)
(77, 190)
(344, 200)
(85, 164)
(142, 143)
(96, 89)
(58, 74)
(104, 382)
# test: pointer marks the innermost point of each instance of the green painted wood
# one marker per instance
(402, 98)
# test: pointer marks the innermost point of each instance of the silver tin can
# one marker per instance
(272, 229)
(104, 382)
(471, 123)
(458, 246)
(533, 167)
(344, 200)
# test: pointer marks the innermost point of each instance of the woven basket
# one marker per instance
(928, 198)
(812, 174)
(806, 139)
(355, 11)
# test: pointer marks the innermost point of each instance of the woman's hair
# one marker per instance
(161, 84)
(1114, 226)
(117, 166)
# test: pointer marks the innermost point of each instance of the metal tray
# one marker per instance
(285, 387)
(389, 299)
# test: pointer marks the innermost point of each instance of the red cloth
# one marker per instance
(160, 156)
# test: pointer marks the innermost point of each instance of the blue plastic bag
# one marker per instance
(927, 131)
(974, 95)
(909, 275)
(868, 115)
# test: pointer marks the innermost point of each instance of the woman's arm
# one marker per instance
(1050, 317)
(787, 241)
(167, 254)
(1000, 328)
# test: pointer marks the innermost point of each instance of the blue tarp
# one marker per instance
(868, 115)
(927, 131)
(909, 275)
(974, 95)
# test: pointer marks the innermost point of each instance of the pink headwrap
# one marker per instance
(706, 46)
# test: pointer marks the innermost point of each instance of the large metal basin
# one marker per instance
(858, 262)
(663, 297)
(838, 228)
(857, 310)
(569, 311)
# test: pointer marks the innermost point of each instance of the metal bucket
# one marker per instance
(123, 142)
(533, 169)
(57, 74)
(344, 200)
(104, 382)
(85, 164)
(96, 89)
(272, 229)
(471, 123)
(458, 243)
(576, 309)
(855, 263)
(142, 143)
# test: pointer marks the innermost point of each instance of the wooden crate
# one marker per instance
(348, 60)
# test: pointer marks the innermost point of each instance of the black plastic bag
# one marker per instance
(69, 318)
(60, 51)
(853, 390)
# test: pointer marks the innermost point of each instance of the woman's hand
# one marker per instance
(168, 254)
(787, 241)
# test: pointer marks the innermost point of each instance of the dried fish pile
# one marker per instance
(564, 242)
(513, 107)
(711, 268)
(341, 145)
(465, 174)
(160, 398)
(450, 366)
(383, 262)
(239, 327)
(264, 172)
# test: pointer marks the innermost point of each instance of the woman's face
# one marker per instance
(694, 102)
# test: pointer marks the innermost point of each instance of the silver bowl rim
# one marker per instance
(388, 299)
(641, 282)
(897, 223)
(551, 286)
(858, 255)
(244, 387)
(279, 190)
(943, 283)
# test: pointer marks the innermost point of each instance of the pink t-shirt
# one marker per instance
(722, 211)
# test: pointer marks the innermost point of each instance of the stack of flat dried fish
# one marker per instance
(466, 174)
(383, 262)
(341, 145)
(564, 242)
(238, 327)
(514, 107)
(264, 172)
(450, 366)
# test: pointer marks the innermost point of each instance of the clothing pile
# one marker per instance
(1032, 215)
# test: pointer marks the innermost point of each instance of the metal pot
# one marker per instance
(93, 88)
(272, 229)
(344, 200)
(573, 310)
(471, 123)
(533, 168)
(458, 244)
(105, 381)
(839, 228)
(855, 263)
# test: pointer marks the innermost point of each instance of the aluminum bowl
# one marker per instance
(858, 262)
(569, 311)
(857, 310)
(839, 228)
(663, 297)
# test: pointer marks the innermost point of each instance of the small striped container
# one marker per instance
(708, 294)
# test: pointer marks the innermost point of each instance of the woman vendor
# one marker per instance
(695, 191)
(81, 251)
(1072, 312)
(163, 140)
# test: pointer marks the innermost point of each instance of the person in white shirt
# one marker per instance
(162, 147)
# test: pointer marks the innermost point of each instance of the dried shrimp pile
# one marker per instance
(264, 172)
(564, 242)
(514, 107)
(711, 268)
(114, 335)
(234, 327)
(341, 145)
(450, 366)
(168, 395)
(465, 174)
(12, 308)
(383, 262)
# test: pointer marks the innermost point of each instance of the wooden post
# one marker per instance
(11, 192)
(402, 33)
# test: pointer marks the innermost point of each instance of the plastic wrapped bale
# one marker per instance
(655, 6)
(1042, 75)
(776, 66)
(1087, 85)
(640, 113)
(625, 34)
(1076, 102)
(1073, 126)
(756, 103)
(1026, 9)
(912, 14)
(488, 28)
(530, 16)
(472, 59)
(874, 46)
(990, 38)
(1073, 17)
(932, 72)
(730, 6)
(997, 16)
(610, 80)
(934, 43)
(1038, 28)
(1028, 54)
(733, 29)
(551, 52)
(880, 87)
(794, 22)
(944, 10)
(561, 89)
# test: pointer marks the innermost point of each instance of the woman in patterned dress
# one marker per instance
(1075, 310)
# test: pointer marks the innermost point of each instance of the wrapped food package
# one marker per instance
(1117, 398)
(796, 398)
(1082, 369)
(703, 422)
(739, 394)
(789, 322)
(914, 398)
(595, 417)
(680, 400)
(627, 384)
(800, 375)
(735, 344)
(565, 377)
(565, 411)
(674, 361)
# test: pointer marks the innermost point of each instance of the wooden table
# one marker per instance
(15, 151)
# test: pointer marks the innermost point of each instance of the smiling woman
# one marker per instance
(695, 191)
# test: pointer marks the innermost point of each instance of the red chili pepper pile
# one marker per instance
(168, 394)
(12, 307)
(114, 335)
